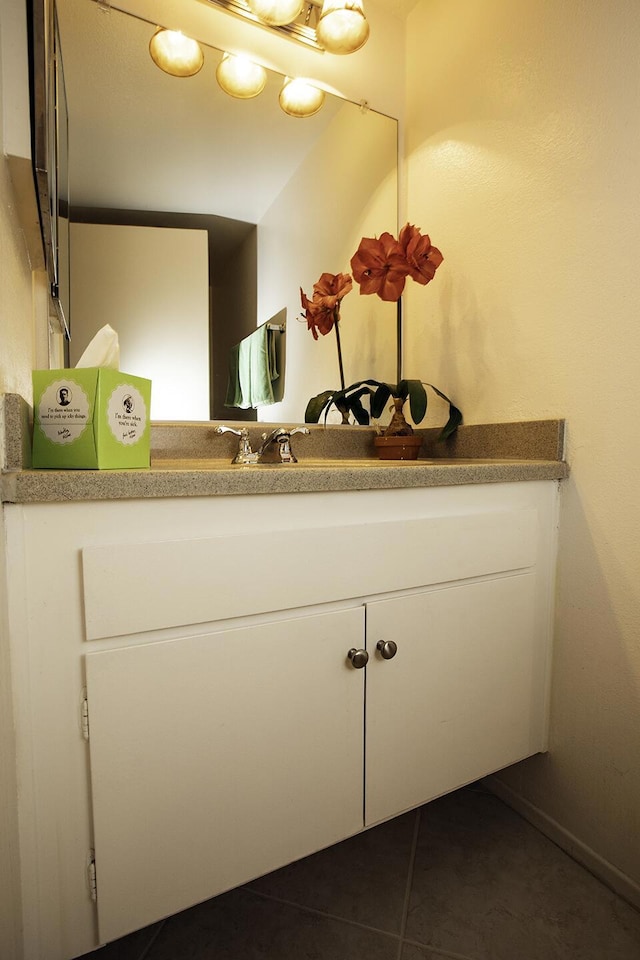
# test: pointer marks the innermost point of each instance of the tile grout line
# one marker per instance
(438, 953)
(145, 952)
(409, 883)
(407, 899)
(319, 913)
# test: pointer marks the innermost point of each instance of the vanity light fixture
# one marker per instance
(299, 98)
(343, 27)
(276, 13)
(302, 28)
(240, 77)
(176, 54)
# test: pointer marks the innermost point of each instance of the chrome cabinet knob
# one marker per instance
(387, 648)
(359, 658)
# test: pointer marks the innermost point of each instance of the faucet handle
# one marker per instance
(245, 454)
(243, 432)
(283, 439)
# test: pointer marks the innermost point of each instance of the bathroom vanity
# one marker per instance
(210, 687)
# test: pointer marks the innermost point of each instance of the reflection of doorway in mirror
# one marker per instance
(152, 285)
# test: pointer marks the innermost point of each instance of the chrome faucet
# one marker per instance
(282, 437)
(245, 454)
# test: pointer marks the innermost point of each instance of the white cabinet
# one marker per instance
(457, 700)
(228, 731)
(216, 758)
(220, 757)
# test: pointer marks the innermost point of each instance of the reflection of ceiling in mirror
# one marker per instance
(131, 127)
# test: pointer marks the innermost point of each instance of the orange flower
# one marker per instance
(379, 267)
(332, 288)
(323, 312)
(318, 317)
(422, 260)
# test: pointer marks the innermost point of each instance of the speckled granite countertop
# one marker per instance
(331, 459)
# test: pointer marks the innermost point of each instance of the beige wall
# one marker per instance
(23, 338)
(16, 310)
(523, 133)
(16, 352)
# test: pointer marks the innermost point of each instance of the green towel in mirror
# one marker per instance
(252, 370)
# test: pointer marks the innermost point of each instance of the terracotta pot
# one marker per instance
(398, 448)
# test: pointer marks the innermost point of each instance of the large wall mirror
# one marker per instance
(196, 217)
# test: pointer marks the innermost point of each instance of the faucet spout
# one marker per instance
(269, 438)
(282, 437)
(279, 435)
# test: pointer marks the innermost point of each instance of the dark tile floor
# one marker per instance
(463, 877)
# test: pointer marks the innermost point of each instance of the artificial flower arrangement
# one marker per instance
(380, 265)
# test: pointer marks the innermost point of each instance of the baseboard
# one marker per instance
(619, 882)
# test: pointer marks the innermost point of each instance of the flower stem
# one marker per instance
(336, 328)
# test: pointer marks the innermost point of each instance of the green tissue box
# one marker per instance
(90, 418)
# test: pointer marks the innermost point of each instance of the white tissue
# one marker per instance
(103, 350)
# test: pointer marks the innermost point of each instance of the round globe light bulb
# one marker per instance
(276, 12)
(240, 77)
(343, 27)
(299, 98)
(176, 54)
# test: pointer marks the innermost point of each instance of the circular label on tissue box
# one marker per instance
(126, 414)
(63, 411)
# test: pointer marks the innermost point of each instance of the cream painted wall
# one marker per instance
(16, 297)
(523, 138)
(16, 361)
(23, 345)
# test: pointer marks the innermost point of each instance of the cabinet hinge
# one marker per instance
(91, 876)
(84, 718)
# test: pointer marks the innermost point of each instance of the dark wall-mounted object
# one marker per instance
(49, 130)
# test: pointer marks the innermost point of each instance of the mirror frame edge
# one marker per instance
(44, 89)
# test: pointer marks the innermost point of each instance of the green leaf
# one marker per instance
(417, 400)
(452, 424)
(357, 408)
(455, 415)
(360, 383)
(400, 389)
(316, 405)
(379, 400)
(341, 404)
(349, 400)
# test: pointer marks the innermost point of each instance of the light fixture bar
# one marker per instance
(303, 29)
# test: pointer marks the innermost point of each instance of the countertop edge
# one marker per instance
(48, 486)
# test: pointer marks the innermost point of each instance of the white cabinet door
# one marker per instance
(217, 758)
(459, 698)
